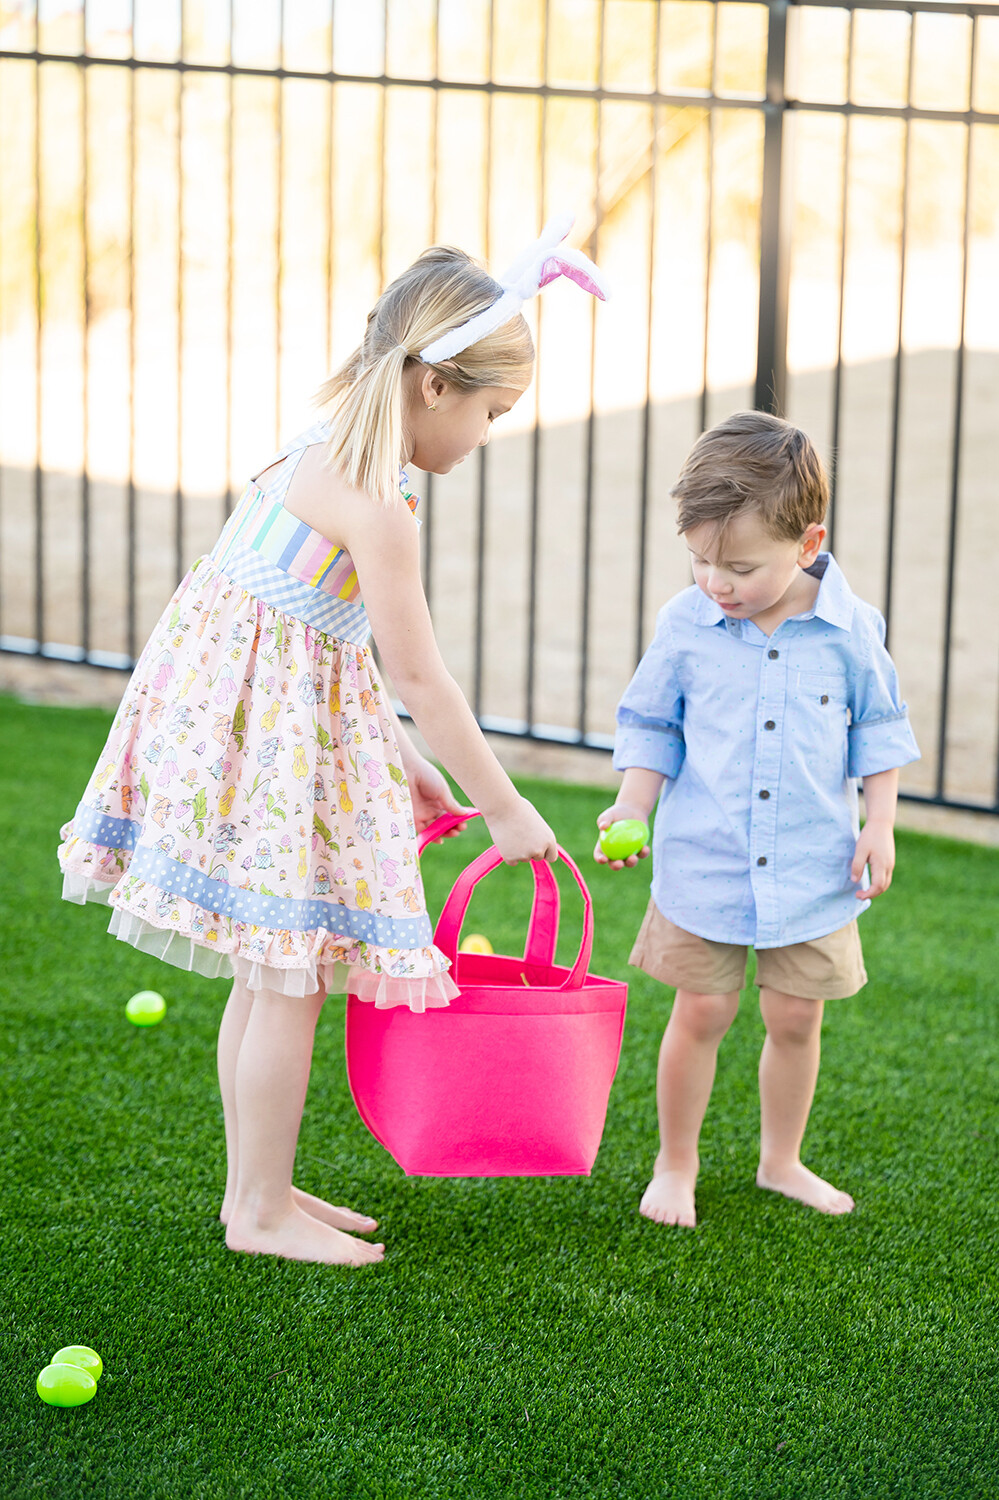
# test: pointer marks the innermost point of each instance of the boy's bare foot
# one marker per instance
(326, 1213)
(296, 1235)
(796, 1181)
(669, 1199)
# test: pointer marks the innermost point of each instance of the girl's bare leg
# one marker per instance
(234, 1019)
(687, 1060)
(789, 1068)
(272, 1074)
(231, 1029)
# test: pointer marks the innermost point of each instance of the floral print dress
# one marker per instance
(249, 814)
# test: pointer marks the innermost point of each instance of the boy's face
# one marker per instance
(748, 572)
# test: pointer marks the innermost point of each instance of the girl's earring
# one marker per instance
(432, 407)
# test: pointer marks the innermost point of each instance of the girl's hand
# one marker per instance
(875, 847)
(431, 795)
(521, 833)
(617, 814)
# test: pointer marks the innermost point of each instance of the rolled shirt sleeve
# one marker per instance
(650, 715)
(880, 737)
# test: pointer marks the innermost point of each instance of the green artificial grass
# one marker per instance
(525, 1338)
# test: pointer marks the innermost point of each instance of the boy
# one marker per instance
(766, 692)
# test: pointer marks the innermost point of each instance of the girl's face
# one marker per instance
(439, 439)
(749, 573)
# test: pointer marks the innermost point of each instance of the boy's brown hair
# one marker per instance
(752, 463)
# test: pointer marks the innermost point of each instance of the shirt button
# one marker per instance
(764, 795)
(773, 655)
(762, 860)
(770, 724)
(824, 698)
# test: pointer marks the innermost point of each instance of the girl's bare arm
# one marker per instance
(384, 546)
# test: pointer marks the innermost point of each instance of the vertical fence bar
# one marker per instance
(955, 472)
(709, 223)
(130, 518)
(584, 632)
(428, 499)
(483, 477)
(39, 529)
(329, 165)
(896, 416)
(178, 513)
(643, 499)
(85, 613)
(279, 227)
(775, 225)
(382, 170)
(535, 517)
(844, 206)
(2, 568)
(229, 231)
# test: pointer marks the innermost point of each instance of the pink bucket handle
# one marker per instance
(443, 825)
(542, 931)
(544, 916)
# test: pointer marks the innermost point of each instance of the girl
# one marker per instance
(255, 810)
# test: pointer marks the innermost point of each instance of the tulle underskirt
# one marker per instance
(382, 990)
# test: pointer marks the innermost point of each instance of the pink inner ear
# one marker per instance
(554, 267)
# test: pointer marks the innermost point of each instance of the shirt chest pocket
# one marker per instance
(819, 720)
(821, 691)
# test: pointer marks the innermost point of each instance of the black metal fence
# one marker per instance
(198, 201)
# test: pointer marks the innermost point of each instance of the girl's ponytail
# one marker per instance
(367, 437)
(440, 291)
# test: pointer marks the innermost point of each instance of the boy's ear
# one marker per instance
(811, 544)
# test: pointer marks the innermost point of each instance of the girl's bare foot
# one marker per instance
(296, 1235)
(796, 1181)
(326, 1213)
(329, 1213)
(669, 1199)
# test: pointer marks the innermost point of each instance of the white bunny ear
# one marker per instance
(579, 268)
(534, 268)
(553, 234)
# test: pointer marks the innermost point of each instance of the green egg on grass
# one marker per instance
(624, 838)
(83, 1357)
(65, 1385)
(147, 1008)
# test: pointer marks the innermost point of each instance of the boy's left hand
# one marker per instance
(615, 814)
(876, 848)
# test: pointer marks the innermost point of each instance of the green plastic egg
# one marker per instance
(65, 1385)
(83, 1357)
(147, 1008)
(623, 838)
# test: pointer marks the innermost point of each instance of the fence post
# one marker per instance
(775, 222)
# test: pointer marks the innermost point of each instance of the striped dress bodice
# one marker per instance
(285, 563)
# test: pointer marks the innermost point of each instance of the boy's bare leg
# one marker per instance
(789, 1068)
(231, 1030)
(687, 1060)
(272, 1074)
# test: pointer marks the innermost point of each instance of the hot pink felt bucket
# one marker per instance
(512, 1078)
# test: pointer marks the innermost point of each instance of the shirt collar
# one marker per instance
(833, 602)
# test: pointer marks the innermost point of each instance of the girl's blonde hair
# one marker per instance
(439, 291)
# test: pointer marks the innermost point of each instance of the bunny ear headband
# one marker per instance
(535, 267)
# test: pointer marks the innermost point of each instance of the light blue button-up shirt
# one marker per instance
(762, 739)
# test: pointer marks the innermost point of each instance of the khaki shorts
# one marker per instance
(827, 968)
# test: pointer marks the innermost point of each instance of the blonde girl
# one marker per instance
(255, 811)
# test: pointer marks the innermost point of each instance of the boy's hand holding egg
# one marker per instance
(623, 839)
